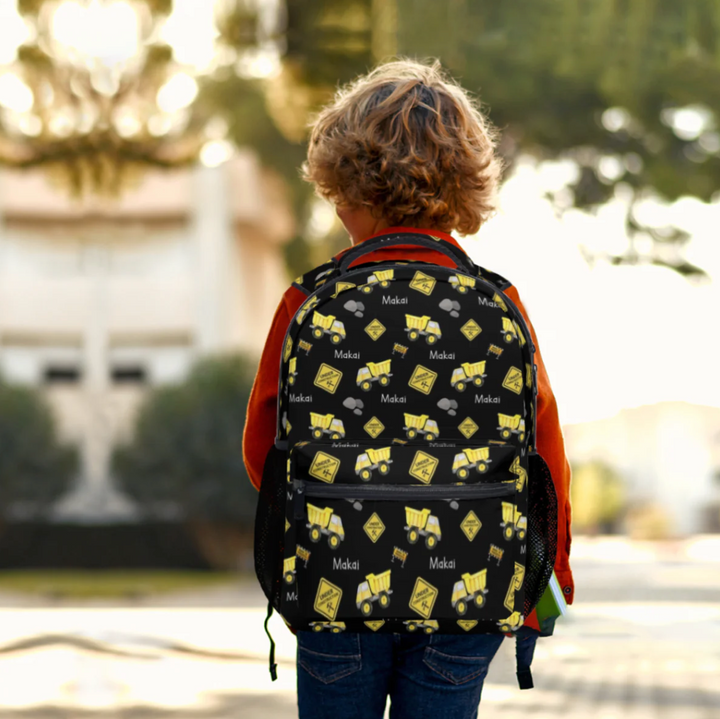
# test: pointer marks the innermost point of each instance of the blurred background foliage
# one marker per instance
(598, 498)
(626, 90)
(185, 460)
(35, 468)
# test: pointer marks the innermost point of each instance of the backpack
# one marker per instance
(404, 492)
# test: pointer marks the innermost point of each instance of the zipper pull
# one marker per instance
(299, 500)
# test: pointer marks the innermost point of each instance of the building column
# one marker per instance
(213, 233)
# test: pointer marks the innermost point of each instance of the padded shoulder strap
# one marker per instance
(312, 279)
(498, 280)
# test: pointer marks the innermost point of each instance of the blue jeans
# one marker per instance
(350, 676)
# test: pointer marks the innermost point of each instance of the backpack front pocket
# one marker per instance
(406, 557)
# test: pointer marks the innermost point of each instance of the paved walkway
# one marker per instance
(642, 642)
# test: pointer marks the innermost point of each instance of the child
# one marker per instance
(403, 148)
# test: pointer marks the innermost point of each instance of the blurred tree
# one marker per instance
(35, 469)
(598, 497)
(628, 91)
(186, 457)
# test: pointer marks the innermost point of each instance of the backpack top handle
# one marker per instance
(461, 260)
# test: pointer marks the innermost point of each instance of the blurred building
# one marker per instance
(100, 302)
(669, 454)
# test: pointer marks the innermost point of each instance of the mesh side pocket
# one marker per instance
(270, 526)
(542, 531)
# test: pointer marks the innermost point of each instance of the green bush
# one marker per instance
(186, 454)
(598, 496)
(35, 469)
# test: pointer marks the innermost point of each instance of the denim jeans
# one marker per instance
(350, 676)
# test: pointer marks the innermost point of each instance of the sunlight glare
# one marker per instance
(14, 93)
(178, 92)
(215, 153)
(190, 31)
(13, 31)
(107, 32)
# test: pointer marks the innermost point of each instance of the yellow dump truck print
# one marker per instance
(429, 626)
(508, 330)
(471, 587)
(513, 522)
(500, 302)
(420, 523)
(321, 424)
(510, 425)
(515, 584)
(289, 570)
(374, 372)
(380, 277)
(292, 371)
(376, 588)
(512, 623)
(462, 283)
(468, 372)
(302, 312)
(478, 458)
(373, 459)
(327, 325)
(417, 326)
(334, 627)
(325, 522)
(519, 333)
(421, 424)
(519, 470)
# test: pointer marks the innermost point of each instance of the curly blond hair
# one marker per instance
(409, 143)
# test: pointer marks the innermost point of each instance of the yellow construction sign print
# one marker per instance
(423, 598)
(375, 329)
(374, 624)
(288, 349)
(327, 599)
(374, 427)
(324, 467)
(341, 287)
(467, 624)
(328, 378)
(471, 525)
(422, 379)
(513, 380)
(374, 527)
(423, 467)
(468, 427)
(471, 329)
(423, 283)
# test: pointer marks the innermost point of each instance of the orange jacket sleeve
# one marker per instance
(261, 417)
(551, 446)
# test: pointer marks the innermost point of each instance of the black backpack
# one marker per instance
(404, 492)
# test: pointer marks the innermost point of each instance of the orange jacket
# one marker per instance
(261, 412)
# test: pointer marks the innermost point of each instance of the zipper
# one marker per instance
(413, 492)
(416, 265)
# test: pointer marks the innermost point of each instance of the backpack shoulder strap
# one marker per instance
(312, 279)
(493, 277)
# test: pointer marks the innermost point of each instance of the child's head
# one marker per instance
(409, 145)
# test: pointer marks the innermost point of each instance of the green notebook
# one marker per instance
(552, 605)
